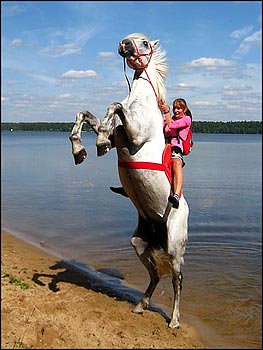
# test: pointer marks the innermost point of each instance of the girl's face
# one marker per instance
(178, 110)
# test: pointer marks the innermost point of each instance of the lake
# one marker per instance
(71, 212)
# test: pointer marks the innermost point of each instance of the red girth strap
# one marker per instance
(165, 166)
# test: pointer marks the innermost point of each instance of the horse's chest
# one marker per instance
(124, 147)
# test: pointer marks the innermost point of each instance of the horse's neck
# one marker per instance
(155, 81)
(143, 101)
(143, 87)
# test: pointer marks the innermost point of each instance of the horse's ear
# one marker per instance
(154, 43)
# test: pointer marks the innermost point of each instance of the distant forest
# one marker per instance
(240, 127)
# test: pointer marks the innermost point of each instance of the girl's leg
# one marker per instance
(178, 180)
(178, 176)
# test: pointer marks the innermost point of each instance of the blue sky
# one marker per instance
(60, 57)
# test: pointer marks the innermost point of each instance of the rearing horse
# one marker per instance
(135, 128)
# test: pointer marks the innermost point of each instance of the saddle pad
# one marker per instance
(167, 162)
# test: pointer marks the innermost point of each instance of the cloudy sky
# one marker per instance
(60, 57)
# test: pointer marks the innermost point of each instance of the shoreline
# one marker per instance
(64, 307)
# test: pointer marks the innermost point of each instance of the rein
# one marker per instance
(124, 68)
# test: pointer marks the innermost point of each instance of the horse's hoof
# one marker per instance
(80, 157)
(138, 309)
(174, 324)
(103, 148)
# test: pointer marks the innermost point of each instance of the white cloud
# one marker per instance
(4, 99)
(203, 103)
(209, 62)
(106, 54)
(62, 50)
(79, 74)
(241, 33)
(12, 10)
(55, 104)
(66, 42)
(42, 77)
(241, 87)
(254, 39)
(119, 83)
(16, 42)
(65, 96)
(185, 86)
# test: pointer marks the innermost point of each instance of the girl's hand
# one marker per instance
(164, 107)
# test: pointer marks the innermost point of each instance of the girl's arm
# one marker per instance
(180, 123)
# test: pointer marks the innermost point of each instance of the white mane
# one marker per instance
(161, 72)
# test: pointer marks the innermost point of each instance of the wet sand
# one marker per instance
(47, 304)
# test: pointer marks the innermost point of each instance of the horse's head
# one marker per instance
(138, 50)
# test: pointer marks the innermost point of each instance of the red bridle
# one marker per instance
(142, 65)
(138, 57)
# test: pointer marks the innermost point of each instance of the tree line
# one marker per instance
(238, 127)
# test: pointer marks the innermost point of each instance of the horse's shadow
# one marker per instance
(105, 281)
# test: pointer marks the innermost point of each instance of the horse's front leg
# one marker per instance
(78, 151)
(105, 139)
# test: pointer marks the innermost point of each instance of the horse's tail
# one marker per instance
(163, 261)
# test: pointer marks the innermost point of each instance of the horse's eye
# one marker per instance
(145, 43)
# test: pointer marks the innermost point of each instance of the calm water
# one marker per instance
(72, 212)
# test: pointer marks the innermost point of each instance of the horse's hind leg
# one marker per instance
(177, 280)
(149, 262)
(144, 253)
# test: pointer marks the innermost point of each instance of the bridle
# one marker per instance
(138, 57)
(142, 66)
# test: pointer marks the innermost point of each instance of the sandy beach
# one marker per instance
(47, 304)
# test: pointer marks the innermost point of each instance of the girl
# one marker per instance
(176, 128)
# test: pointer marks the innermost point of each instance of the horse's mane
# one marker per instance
(161, 72)
(160, 59)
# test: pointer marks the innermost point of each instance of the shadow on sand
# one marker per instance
(105, 281)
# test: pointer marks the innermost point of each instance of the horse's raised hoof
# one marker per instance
(80, 156)
(103, 148)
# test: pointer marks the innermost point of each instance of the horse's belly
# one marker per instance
(147, 189)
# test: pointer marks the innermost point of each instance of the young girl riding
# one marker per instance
(176, 128)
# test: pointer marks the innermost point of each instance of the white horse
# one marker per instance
(135, 128)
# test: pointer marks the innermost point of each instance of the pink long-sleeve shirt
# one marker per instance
(178, 127)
